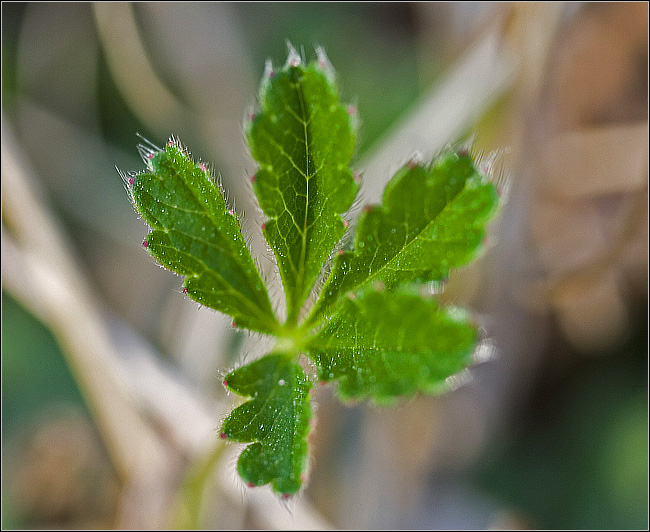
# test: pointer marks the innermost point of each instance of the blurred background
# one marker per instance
(111, 394)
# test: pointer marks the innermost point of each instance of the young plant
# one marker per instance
(370, 330)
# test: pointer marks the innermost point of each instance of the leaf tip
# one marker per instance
(324, 63)
(463, 151)
(323, 60)
(293, 58)
(147, 150)
(269, 72)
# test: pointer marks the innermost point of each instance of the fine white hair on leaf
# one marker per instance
(146, 153)
(268, 71)
(293, 58)
(455, 381)
(323, 61)
(148, 142)
(485, 351)
(126, 178)
(466, 145)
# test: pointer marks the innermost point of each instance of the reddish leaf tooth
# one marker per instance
(131, 180)
(340, 252)
(251, 485)
(223, 436)
(184, 290)
(145, 244)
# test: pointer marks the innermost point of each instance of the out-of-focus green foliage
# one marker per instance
(31, 360)
(35, 379)
(10, 13)
(582, 461)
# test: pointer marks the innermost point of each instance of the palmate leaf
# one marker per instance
(275, 419)
(303, 139)
(195, 234)
(382, 345)
(431, 219)
(369, 329)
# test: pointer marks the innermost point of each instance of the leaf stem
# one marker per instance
(291, 340)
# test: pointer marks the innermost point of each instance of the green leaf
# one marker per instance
(387, 344)
(369, 330)
(431, 219)
(195, 234)
(275, 419)
(303, 139)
